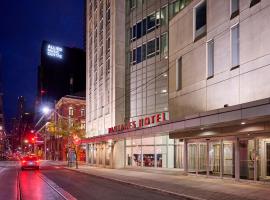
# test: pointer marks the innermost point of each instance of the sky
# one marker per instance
(23, 26)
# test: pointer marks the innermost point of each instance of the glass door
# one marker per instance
(228, 158)
(202, 169)
(192, 158)
(214, 158)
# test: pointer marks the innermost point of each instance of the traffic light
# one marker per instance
(33, 140)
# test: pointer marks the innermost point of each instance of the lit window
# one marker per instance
(199, 20)
(164, 15)
(82, 112)
(70, 111)
(164, 45)
(179, 74)
(235, 46)
(210, 58)
(83, 125)
(234, 8)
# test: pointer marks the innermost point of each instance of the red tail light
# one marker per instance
(23, 161)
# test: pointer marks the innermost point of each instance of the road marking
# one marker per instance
(2, 169)
(58, 189)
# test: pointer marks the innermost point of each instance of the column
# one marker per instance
(185, 156)
(221, 158)
(236, 160)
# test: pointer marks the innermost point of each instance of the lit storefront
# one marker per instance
(228, 143)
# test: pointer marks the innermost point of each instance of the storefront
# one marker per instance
(156, 151)
(228, 143)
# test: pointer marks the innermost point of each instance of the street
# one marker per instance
(56, 182)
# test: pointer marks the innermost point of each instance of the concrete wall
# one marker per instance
(247, 83)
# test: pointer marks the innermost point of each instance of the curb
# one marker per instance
(140, 186)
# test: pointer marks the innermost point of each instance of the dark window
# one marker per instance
(254, 2)
(139, 55)
(200, 21)
(143, 51)
(157, 45)
(139, 30)
(151, 48)
(200, 16)
(151, 21)
(144, 23)
(179, 74)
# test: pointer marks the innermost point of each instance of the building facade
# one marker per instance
(69, 114)
(59, 73)
(196, 90)
(219, 69)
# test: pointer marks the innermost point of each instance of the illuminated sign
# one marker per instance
(143, 122)
(55, 51)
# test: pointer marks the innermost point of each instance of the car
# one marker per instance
(30, 162)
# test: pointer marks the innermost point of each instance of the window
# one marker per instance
(151, 48)
(132, 4)
(82, 112)
(151, 21)
(235, 46)
(179, 74)
(157, 45)
(134, 32)
(234, 8)
(144, 23)
(83, 125)
(70, 111)
(139, 30)
(158, 18)
(134, 56)
(164, 15)
(164, 45)
(199, 20)
(143, 51)
(210, 59)
(254, 2)
(139, 55)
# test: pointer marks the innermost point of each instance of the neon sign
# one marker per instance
(143, 122)
(55, 51)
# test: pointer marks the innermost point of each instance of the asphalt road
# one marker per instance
(56, 182)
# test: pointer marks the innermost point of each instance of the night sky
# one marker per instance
(23, 26)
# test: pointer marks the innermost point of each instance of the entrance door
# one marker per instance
(268, 159)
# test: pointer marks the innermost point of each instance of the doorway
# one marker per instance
(268, 159)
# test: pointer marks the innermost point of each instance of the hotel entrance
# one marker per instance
(213, 157)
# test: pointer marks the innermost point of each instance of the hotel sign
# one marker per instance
(55, 51)
(143, 122)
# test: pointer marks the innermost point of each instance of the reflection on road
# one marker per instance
(33, 187)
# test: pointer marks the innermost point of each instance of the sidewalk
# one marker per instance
(186, 186)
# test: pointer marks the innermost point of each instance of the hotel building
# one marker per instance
(196, 89)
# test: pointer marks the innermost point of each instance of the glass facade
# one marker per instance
(158, 151)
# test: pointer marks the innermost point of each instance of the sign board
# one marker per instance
(141, 123)
(55, 51)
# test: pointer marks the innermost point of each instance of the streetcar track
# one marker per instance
(19, 189)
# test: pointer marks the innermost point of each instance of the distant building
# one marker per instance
(61, 72)
(70, 110)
